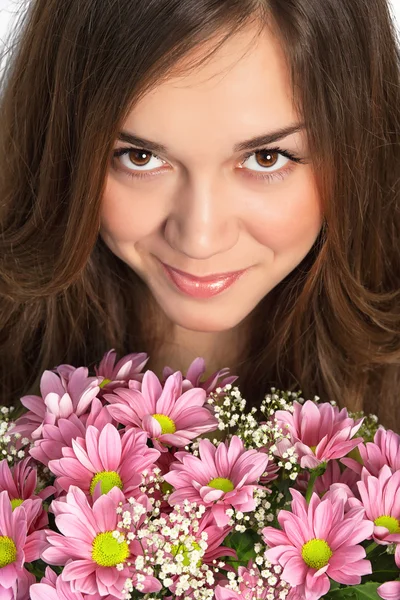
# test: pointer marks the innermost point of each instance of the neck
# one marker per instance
(218, 348)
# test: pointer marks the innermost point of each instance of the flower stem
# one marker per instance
(370, 548)
(313, 476)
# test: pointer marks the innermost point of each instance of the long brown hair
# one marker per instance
(75, 69)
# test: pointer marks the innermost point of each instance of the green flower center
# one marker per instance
(104, 383)
(108, 479)
(16, 502)
(316, 553)
(167, 424)
(179, 549)
(390, 523)
(313, 448)
(108, 551)
(8, 551)
(220, 483)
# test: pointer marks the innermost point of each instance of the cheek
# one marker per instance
(125, 216)
(288, 218)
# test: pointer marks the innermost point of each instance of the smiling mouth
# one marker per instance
(201, 287)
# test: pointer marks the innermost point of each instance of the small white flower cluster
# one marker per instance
(173, 550)
(369, 426)
(289, 462)
(228, 406)
(13, 448)
(280, 400)
(268, 585)
(152, 486)
(265, 512)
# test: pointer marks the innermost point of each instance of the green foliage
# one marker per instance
(244, 544)
(383, 566)
(364, 591)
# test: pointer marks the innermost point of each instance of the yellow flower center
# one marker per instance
(390, 523)
(104, 383)
(8, 551)
(16, 502)
(108, 551)
(316, 553)
(313, 448)
(220, 483)
(185, 552)
(167, 424)
(108, 479)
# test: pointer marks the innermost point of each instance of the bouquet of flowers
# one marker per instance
(118, 485)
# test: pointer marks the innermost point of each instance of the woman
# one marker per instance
(128, 181)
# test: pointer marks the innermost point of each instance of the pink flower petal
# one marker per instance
(389, 590)
(109, 448)
(77, 569)
(152, 426)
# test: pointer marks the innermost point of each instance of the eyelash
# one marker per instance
(257, 175)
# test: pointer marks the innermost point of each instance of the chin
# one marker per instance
(204, 319)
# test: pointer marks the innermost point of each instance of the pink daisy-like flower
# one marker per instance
(59, 399)
(319, 540)
(251, 586)
(195, 372)
(380, 496)
(56, 437)
(221, 478)
(53, 587)
(116, 375)
(318, 432)
(168, 416)
(384, 450)
(389, 590)
(94, 559)
(20, 482)
(105, 459)
(16, 547)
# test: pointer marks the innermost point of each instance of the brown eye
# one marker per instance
(266, 158)
(139, 157)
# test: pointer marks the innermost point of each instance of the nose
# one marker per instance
(202, 222)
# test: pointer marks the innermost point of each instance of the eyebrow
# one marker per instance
(260, 140)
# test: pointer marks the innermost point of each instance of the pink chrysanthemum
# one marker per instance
(319, 541)
(221, 478)
(16, 547)
(384, 450)
(380, 496)
(105, 459)
(20, 482)
(94, 559)
(116, 375)
(52, 587)
(56, 437)
(195, 372)
(168, 416)
(59, 399)
(389, 590)
(318, 432)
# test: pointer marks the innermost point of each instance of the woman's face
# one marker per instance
(202, 204)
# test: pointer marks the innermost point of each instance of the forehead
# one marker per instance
(245, 86)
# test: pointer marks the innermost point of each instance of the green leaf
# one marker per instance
(383, 567)
(243, 543)
(364, 591)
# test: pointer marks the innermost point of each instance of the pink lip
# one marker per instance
(201, 287)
